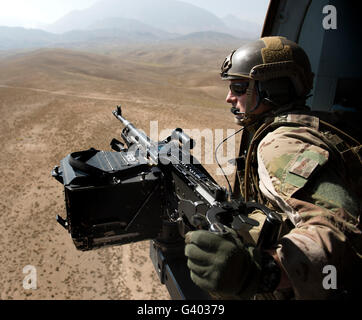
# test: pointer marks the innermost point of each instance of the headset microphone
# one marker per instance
(235, 111)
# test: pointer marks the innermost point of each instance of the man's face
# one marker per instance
(238, 98)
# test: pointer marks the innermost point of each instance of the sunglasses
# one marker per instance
(239, 88)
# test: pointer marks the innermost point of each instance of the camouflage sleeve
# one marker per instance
(297, 174)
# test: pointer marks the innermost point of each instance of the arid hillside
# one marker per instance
(136, 71)
(56, 101)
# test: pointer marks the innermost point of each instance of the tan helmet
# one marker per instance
(270, 58)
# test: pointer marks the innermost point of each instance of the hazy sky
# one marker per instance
(31, 13)
(252, 10)
(41, 11)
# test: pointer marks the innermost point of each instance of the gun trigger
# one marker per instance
(241, 220)
(218, 228)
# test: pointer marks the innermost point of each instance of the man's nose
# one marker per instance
(230, 98)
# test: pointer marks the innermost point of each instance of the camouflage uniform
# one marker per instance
(300, 166)
(292, 166)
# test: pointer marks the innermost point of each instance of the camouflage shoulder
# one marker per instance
(290, 157)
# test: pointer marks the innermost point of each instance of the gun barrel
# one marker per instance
(138, 136)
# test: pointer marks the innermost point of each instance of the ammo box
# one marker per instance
(111, 198)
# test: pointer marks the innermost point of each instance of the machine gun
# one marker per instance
(146, 190)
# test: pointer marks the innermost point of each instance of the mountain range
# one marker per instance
(118, 22)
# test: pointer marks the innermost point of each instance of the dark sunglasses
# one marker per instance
(239, 88)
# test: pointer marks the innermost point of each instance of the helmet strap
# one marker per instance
(248, 117)
(249, 97)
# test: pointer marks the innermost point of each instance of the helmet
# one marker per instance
(278, 68)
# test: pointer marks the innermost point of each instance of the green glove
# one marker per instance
(222, 264)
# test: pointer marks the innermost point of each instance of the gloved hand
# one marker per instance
(222, 264)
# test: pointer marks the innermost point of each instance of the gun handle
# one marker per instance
(270, 231)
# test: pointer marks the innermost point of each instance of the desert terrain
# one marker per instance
(57, 101)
